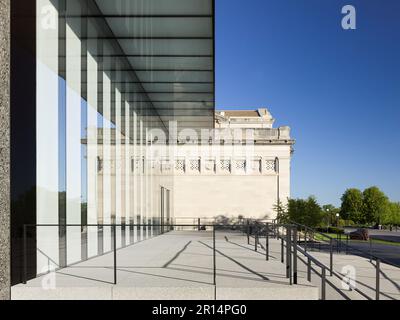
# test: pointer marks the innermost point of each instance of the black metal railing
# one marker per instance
(347, 247)
(287, 234)
(294, 238)
(239, 227)
(308, 231)
(168, 227)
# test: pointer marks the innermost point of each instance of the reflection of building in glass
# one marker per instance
(112, 103)
(242, 167)
(97, 76)
(243, 170)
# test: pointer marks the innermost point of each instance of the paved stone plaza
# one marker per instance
(179, 265)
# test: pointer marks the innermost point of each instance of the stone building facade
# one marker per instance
(240, 168)
(244, 172)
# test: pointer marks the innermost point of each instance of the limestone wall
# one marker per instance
(232, 183)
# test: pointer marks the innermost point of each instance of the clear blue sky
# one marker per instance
(338, 90)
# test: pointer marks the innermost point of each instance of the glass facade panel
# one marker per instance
(47, 115)
(73, 120)
(107, 74)
(92, 154)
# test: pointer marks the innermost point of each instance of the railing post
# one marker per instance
(277, 231)
(370, 249)
(255, 237)
(25, 258)
(273, 228)
(312, 246)
(337, 242)
(198, 224)
(305, 239)
(378, 274)
(115, 253)
(323, 284)
(308, 269)
(331, 257)
(267, 242)
(290, 257)
(282, 251)
(295, 255)
(248, 232)
(288, 254)
(214, 259)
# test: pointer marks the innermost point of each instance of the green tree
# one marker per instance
(307, 212)
(329, 212)
(392, 215)
(281, 212)
(376, 205)
(395, 210)
(352, 205)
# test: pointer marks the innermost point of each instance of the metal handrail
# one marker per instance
(377, 259)
(291, 269)
(287, 233)
(367, 253)
(114, 233)
(214, 226)
(293, 248)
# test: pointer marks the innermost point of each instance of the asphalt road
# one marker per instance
(393, 236)
(390, 253)
(387, 252)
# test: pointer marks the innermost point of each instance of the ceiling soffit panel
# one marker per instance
(169, 45)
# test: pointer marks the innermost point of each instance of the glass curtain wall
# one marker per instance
(92, 118)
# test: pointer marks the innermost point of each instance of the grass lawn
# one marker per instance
(320, 237)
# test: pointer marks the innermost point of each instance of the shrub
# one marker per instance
(331, 230)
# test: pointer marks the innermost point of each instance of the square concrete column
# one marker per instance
(5, 241)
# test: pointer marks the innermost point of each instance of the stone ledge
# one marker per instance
(166, 293)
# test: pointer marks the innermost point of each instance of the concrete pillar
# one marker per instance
(5, 150)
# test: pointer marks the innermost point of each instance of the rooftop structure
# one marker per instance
(260, 119)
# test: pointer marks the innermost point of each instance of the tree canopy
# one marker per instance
(304, 211)
(376, 205)
(371, 206)
(392, 215)
(352, 205)
(367, 207)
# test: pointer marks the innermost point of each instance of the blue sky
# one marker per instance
(338, 90)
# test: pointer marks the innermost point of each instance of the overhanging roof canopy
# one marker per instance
(169, 44)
